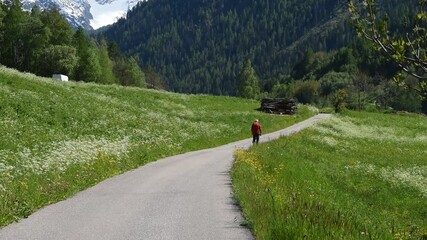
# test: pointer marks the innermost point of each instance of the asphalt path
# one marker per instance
(187, 196)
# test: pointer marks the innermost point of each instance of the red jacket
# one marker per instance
(256, 128)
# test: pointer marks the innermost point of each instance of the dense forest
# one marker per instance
(201, 46)
(44, 43)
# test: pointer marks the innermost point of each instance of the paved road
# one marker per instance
(181, 197)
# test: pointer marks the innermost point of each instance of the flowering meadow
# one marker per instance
(58, 138)
(354, 176)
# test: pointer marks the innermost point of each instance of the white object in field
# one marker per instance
(60, 77)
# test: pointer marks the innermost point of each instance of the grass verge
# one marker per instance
(354, 176)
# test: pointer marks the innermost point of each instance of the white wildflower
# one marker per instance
(415, 177)
(344, 127)
(327, 140)
(313, 109)
(62, 154)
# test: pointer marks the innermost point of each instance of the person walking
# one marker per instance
(256, 131)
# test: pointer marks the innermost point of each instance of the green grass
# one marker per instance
(61, 137)
(354, 176)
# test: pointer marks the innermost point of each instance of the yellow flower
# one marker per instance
(24, 184)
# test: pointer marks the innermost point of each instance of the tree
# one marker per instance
(307, 91)
(107, 75)
(303, 67)
(339, 100)
(91, 69)
(332, 81)
(281, 90)
(36, 40)
(15, 24)
(134, 75)
(57, 59)
(247, 82)
(61, 31)
(406, 47)
(360, 82)
(153, 79)
(2, 14)
(88, 68)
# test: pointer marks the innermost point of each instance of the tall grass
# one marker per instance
(354, 176)
(58, 138)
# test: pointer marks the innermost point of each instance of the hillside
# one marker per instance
(201, 46)
(61, 137)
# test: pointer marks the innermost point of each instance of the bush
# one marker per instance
(283, 90)
(333, 81)
(307, 91)
(339, 99)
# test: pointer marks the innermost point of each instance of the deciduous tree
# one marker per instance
(247, 82)
(406, 47)
(56, 59)
(307, 91)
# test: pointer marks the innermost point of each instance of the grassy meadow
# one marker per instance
(58, 138)
(354, 176)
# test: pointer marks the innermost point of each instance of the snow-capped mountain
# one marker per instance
(89, 14)
(106, 12)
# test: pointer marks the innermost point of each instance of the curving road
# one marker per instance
(186, 196)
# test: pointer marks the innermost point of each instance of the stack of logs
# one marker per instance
(279, 105)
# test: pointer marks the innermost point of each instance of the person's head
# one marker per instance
(256, 120)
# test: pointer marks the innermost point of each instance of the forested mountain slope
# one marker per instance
(199, 46)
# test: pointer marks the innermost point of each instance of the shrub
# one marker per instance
(307, 91)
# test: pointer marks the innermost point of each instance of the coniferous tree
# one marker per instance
(92, 70)
(301, 69)
(2, 15)
(81, 45)
(107, 75)
(118, 61)
(88, 68)
(60, 30)
(37, 40)
(135, 76)
(114, 51)
(15, 24)
(120, 71)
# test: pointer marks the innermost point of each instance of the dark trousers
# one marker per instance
(255, 138)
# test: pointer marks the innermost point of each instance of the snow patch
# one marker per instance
(106, 12)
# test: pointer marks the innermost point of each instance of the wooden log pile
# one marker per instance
(279, 105)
